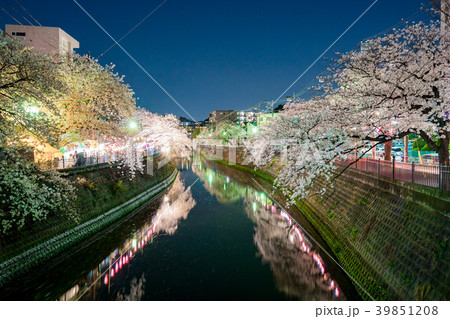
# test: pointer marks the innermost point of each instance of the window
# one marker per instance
(19, 34)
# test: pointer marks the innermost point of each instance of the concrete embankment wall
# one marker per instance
(391, 236)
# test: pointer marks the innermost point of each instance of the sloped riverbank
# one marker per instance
(391, 237)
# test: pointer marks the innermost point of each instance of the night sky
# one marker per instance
(215, 54)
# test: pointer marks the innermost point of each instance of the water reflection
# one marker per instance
(137, 290)
(298, 269)
(176, 206)
(222, 187)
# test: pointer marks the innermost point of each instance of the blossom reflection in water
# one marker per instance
(175, 206)
(297, 268)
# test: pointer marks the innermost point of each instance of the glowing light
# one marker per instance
(131, 254)
(228, 179)
(336, 292)
(120, 263)
(299, 234)
(286, 216)
(106, 279)
(254, 206)
(139, 244)
(33, 109)
(112, 272)
(210, 178)
(304, 247)
(134, 242)
(332, 284)
(127, 259)
(133, 125)
(262, 196)
(117, 267)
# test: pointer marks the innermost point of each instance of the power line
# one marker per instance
(140, 22)
(14, 8)
(324, 52)
(27, 12)
(279, 100)
(31, 24)
(305, 89)
(11, 16)
(136, 62)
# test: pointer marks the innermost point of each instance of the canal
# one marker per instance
(214, 235)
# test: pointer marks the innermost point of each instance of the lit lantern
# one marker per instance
(336, 292)
(117, 267)
(106, 279)
(332, 284)
(112, 272)
(131, 254)
(120, 263)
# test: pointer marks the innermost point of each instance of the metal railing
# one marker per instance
(83, 160)
(436, 176)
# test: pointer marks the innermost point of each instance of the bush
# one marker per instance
(28, 195)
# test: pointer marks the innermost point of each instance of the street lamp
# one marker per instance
(133, 125)
(30, 108)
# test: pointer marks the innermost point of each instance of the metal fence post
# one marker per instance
(439, 176)
(393, 167)
(412, 172)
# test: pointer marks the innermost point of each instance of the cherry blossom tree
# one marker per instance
(97, 99)
(29, 86)
(163, 130)
(397, 85)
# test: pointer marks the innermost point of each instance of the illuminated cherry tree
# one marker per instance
(97, 100)
(396, 85)
(162, 130)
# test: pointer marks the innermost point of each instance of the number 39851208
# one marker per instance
(407, 310)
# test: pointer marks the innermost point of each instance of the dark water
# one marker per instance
(208, 238)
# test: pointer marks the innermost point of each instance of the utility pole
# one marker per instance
(445, 19)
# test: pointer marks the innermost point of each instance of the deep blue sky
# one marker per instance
(216, 54)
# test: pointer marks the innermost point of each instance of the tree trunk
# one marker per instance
(444, 152)
(387, 150)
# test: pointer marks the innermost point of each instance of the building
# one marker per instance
(47, 40)
(265, 118)
(221, 115)
(239, 117)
